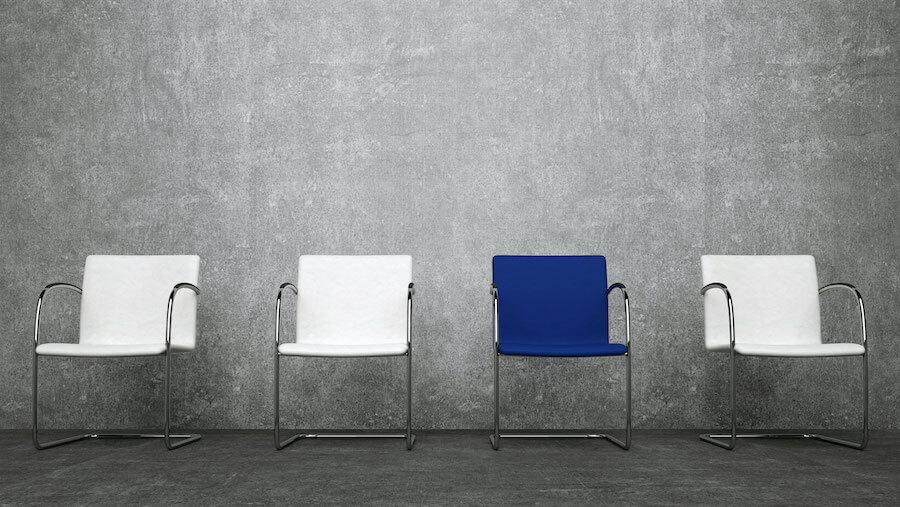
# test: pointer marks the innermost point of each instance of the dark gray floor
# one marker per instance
(450, 468)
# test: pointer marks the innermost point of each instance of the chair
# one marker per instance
(768, 305)
(349, 306)
(555, 306)
(128, 309)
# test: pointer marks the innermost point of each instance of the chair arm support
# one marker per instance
(495, 297)
(715, 285)
(724, 288)
(621, 287)
(859, 300)
(840, 285)
(409, 294)
(184, 285)
(287, 285)
(40, 303)
(293, 288)
(178, 286)
(52, 286)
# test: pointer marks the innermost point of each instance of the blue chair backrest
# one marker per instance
(559, 300)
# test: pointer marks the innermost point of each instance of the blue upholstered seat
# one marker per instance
(553, 306)
(558, 350)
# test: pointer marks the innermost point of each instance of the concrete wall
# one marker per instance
(249, 133)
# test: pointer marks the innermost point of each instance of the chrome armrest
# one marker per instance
(285, 285)
(178, 286)
(723, 288)
(184, 285)
(409, 294)
(621, 287)
(859, 300)
(40, 303)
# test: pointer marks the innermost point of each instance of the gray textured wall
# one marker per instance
(652, 132)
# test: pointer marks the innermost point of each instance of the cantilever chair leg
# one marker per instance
(627, 443)
(712, 438)
(496, 436)
(185, 439)
(279, 444)
(167, 436)
(34, 413)
(408, 435)
(716, 439)
(410, 438)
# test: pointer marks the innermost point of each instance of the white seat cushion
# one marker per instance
(802, 350)
(342, 350)
(104, 350)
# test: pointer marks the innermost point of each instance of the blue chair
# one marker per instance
(555, 306)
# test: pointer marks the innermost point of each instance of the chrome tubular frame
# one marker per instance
(712, 437)
(166, 435)
(278, 443)
(189, 438)
(409, 436)
(495, 437)
(865, 357)
(495, 324)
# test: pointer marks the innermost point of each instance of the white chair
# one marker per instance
(128, 309)
(768, 305)
(350, 306)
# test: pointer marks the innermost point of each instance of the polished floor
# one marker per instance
(663, 468)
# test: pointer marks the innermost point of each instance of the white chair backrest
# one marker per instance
(125, 298)
(353, 299)
(775, 297)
